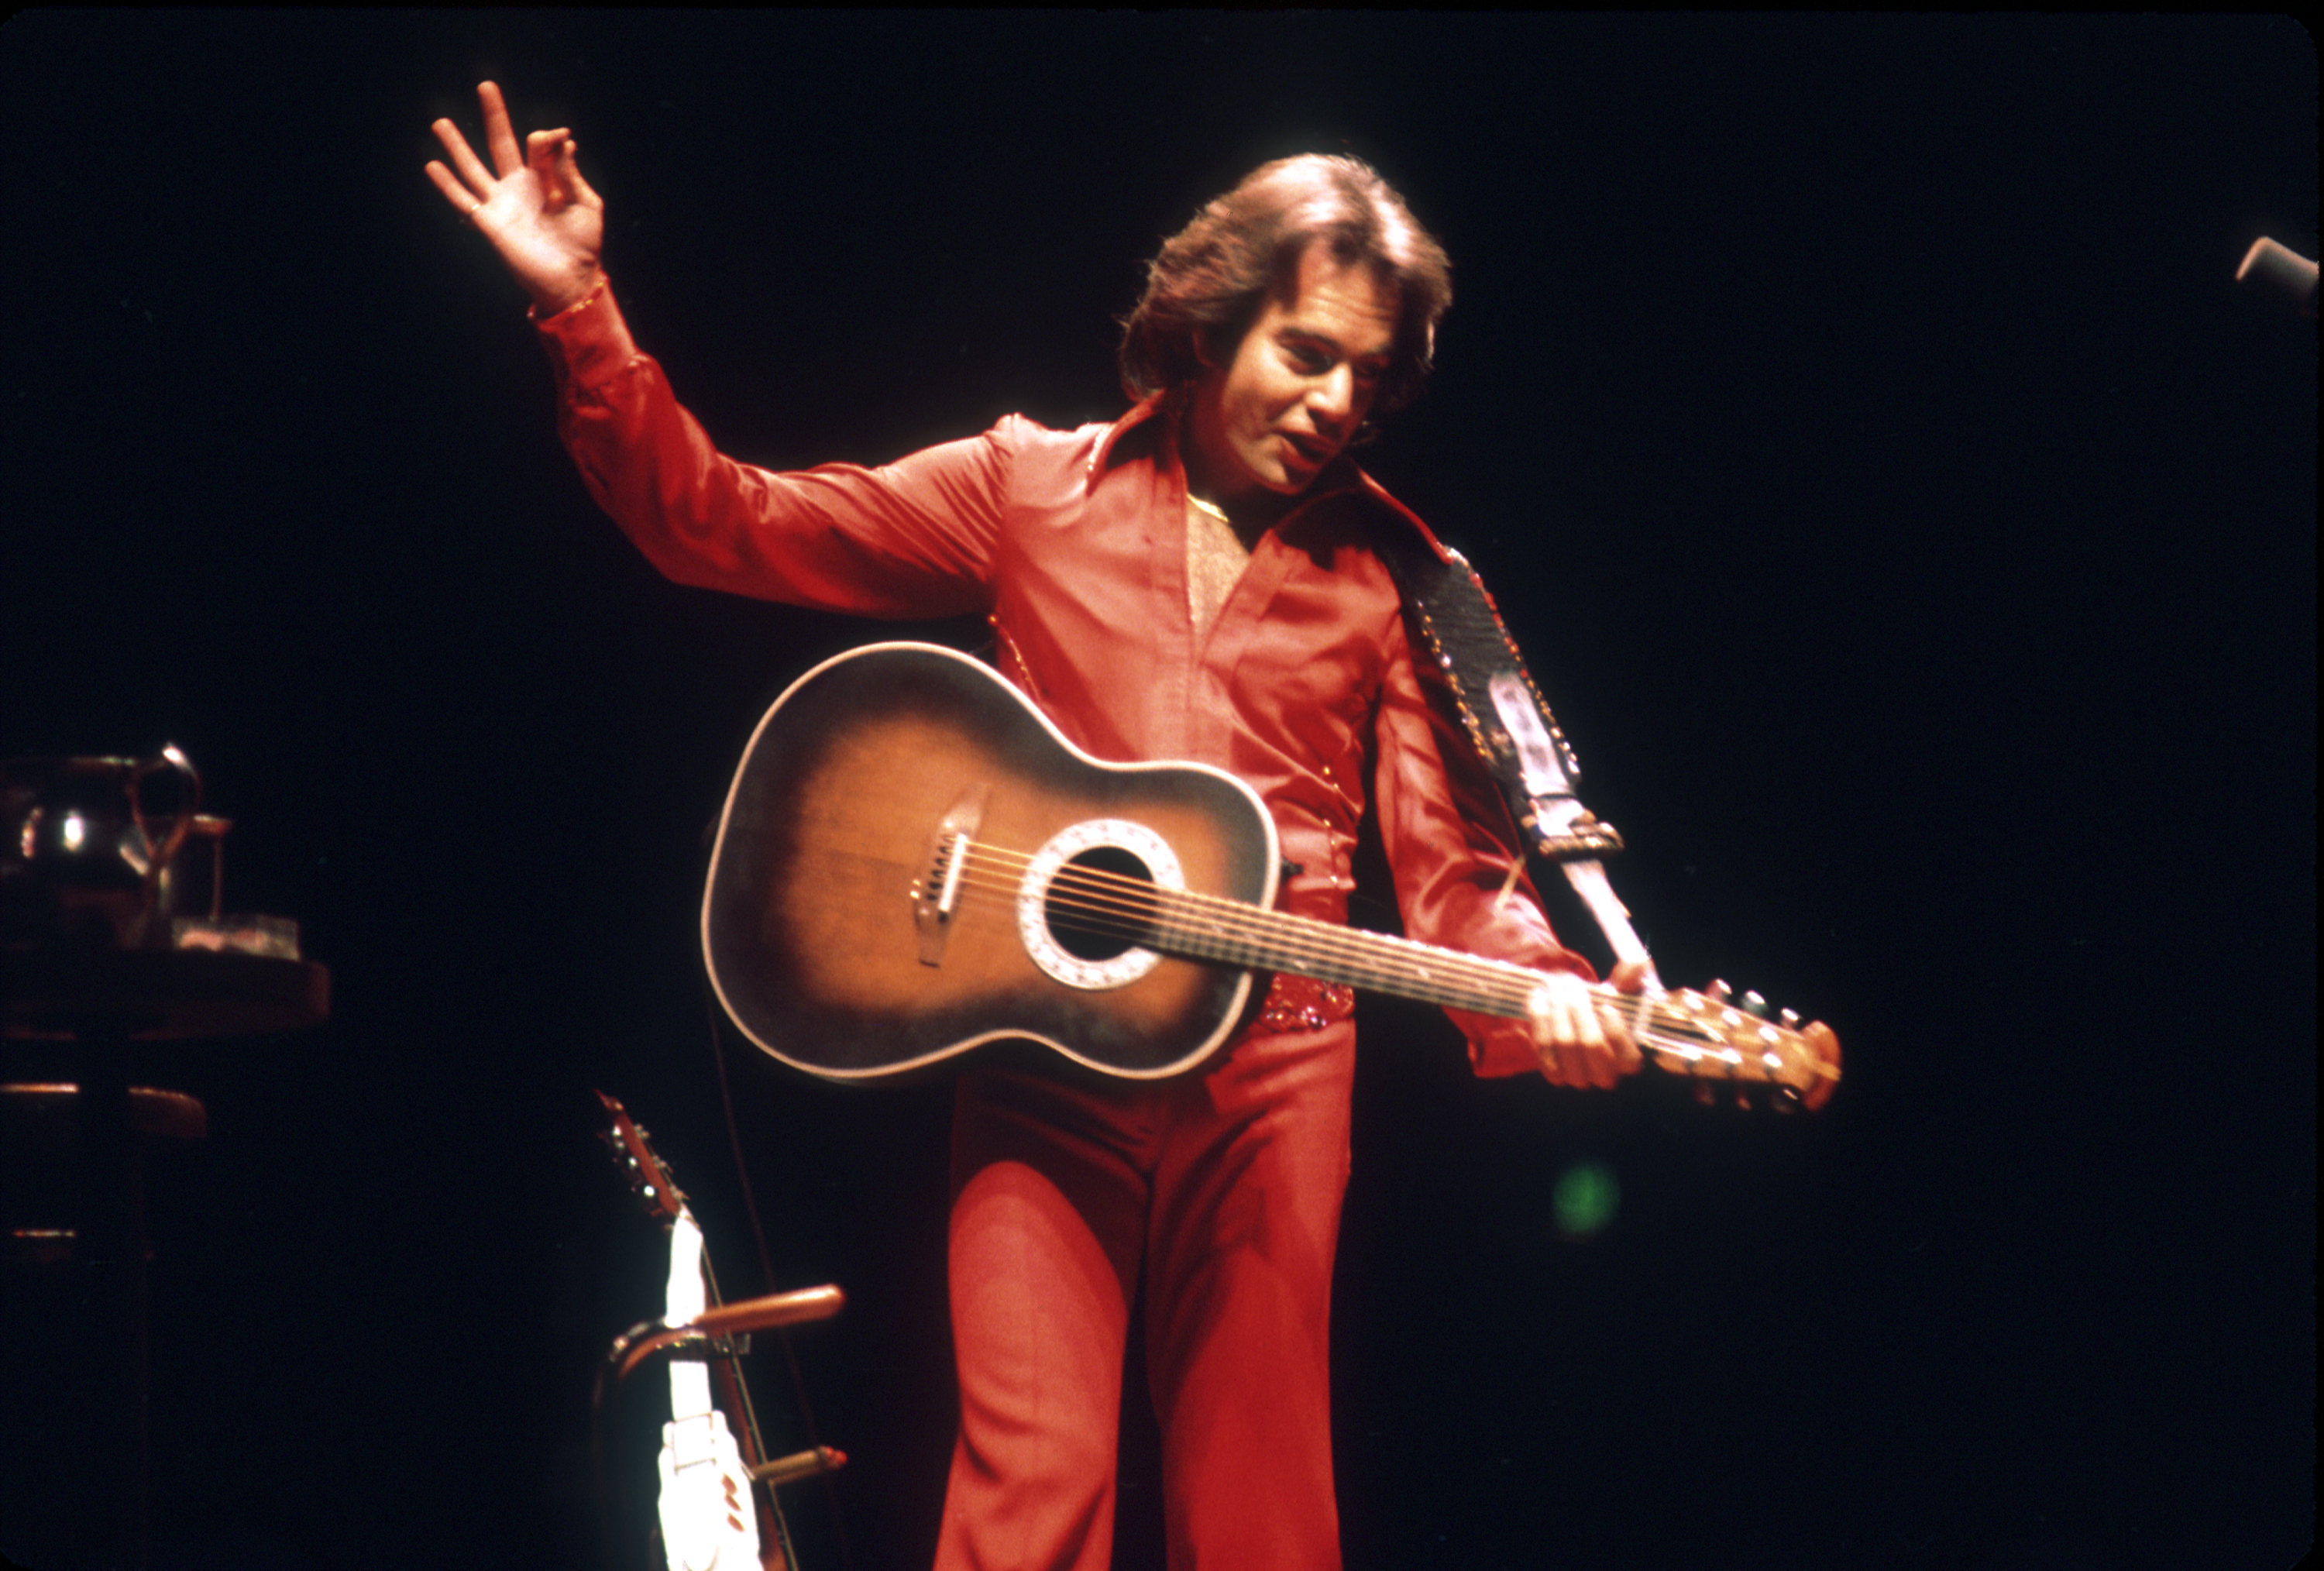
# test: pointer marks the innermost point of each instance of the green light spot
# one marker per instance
(1586, 1199)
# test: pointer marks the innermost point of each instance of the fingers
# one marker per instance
(568, 174)
(1627, 1058)
(1561, 1014)
(1574, 1046)
(549, 156)
(500, 138)
(541, 157)
(462, 198)
(1582, 1069)
(1629, 980)
(480, 181)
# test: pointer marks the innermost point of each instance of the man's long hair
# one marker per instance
(1213, 277)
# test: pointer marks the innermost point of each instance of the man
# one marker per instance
(1196, 580)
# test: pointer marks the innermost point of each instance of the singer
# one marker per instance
(1194, 580)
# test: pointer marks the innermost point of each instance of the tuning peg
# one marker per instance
(1791, 1018)
(1720, 990)
(1753, 1004)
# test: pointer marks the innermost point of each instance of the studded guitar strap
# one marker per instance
(1466, 654)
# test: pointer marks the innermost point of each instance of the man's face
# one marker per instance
(1299, 385)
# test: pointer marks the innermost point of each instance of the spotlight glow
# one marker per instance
(1586, 1198)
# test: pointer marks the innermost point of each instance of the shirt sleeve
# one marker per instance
(911, 538)
(1451, 844)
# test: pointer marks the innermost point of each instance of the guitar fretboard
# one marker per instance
(1195, 927)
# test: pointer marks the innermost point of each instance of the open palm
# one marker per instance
(542, 217)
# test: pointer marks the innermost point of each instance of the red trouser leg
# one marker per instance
(1245, 1221)
(1228, 1186)
(1047, 1217)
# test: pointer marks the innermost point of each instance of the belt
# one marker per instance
(1303, 1003)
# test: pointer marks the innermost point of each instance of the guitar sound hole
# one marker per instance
(1090, 913)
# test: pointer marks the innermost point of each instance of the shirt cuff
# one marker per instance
(588, 341)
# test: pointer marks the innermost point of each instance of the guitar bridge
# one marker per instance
(936, 898)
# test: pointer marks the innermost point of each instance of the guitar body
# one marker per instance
(827, 925)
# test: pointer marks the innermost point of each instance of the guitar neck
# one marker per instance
(1196, 928)
(1685, 1032)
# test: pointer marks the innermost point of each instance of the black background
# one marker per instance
(1912, 520)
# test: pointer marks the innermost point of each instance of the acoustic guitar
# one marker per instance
(914, 862)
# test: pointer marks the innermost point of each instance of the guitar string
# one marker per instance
(1453, 976)
(1661, 1028)
(1137, 908)
(1664, 1031)
(1129, 908)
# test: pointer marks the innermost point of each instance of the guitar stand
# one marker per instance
(713, 1326)
(722, 1331)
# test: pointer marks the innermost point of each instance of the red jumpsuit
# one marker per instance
(1222, 1189)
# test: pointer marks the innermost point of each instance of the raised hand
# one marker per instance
(539, 213)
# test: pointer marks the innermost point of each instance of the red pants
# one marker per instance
(1225, 1186)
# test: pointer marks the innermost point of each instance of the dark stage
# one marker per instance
(1859, 423)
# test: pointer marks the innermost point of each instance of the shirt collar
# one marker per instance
(1340, 477)
(1139, 414)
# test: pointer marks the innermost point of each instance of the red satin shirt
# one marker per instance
(1073, 544)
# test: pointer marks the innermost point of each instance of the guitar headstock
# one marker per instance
(647, 1176)
(1714, 1036)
